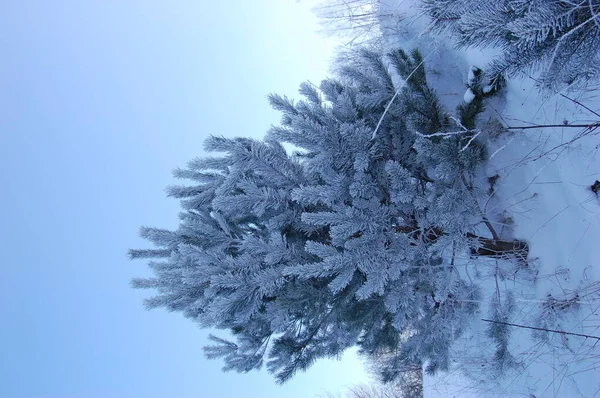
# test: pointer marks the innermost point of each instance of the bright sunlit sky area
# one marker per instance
(99, 101)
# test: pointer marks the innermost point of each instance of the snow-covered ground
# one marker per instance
(542, 195)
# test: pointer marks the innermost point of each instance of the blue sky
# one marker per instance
(99, 101)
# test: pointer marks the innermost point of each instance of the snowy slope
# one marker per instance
(542, 195)
(545, 178)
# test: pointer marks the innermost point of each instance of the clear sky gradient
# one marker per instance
(99, 101)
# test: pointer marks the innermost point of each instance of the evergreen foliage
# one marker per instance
(559, 37)
(350, 240)
(499, 331)
(407, 384)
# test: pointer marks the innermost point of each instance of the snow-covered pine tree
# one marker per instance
(560, 38)
(351, 240)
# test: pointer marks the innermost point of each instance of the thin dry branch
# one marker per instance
(541, 126)
(543, 329)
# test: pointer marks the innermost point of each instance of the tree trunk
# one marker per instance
(500, 248)
(489, 247)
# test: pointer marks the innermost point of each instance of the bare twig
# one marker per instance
(543, 329)
(571, 99)
(387, 108)
(540, 126)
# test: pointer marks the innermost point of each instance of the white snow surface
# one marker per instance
(487, 88)
(542, 195)
(469, 96)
